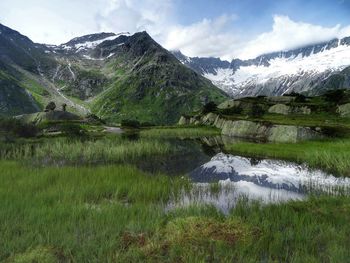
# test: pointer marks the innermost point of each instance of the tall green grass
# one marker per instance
(81, 212)
(105, 150)
(117, 214)
(189, 132)
(332, 155)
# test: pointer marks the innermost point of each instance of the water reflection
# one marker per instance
(268, 181)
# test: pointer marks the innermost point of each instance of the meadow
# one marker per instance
(66, 199)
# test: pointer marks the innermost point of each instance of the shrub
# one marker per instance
(209, 107)
(18, 128)
(233, 110)
(130, 123)
(72, 129)
(334, 96)
(51, 106)
(298, 97)
(256, 111)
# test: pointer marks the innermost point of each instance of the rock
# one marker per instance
(285, 110)
(184, 121)
(245, 129)
(344, 110)
(209, 119)
(271, 133)
(229, 104)
(219, 122)
(280, 109)
(303, 110)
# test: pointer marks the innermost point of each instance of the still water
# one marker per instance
(222, 179)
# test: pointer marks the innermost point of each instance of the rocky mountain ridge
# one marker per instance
(311, 70)
(116, 76)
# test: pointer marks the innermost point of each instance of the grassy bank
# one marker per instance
(110, 149)
(116, 214)
(188, 132)
(332, 155)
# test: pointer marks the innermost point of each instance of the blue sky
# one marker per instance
(258, 13)
(219, 28)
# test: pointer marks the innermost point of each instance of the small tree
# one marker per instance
(256, 111)
(64, 107)
(50, 107)
(335, 95)
(209, 107)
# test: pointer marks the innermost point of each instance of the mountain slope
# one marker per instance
(154, 86)
(306, 70)
(116, 76)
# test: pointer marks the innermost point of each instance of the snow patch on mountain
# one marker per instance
(328, 60)
(93, 44)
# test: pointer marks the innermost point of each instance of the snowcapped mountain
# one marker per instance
(310, 69)
(115, 76)
(83, 45)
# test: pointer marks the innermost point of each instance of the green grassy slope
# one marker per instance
(151, 85)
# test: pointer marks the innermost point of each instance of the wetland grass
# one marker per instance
(116, 214)
(331, 155)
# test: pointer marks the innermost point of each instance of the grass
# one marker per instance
(188, 132)
(331, 155)
(81, 212)
(116, 214)
(111, 149)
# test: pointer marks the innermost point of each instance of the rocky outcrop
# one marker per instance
(280, 109)
(344, 110)
(286, 110)
(244, 129)
(229, 104)
(255, 130)
(266, 132)
(184, 121)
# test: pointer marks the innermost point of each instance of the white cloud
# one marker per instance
(134, 15)
(205, 38)
(287, 34)
(212, 38)
(58, 21)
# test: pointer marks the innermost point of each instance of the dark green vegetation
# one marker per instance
(130, 77)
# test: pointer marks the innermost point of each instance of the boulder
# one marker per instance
(280, 109)
(184, 121)
(344, 110)
(285, 110)
(245, 129)
(271, 133)
(209, 118)
(229, 104)
(303, 110)
(284, 133)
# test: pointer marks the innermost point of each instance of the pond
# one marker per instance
(218, 178)
(222, 179)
